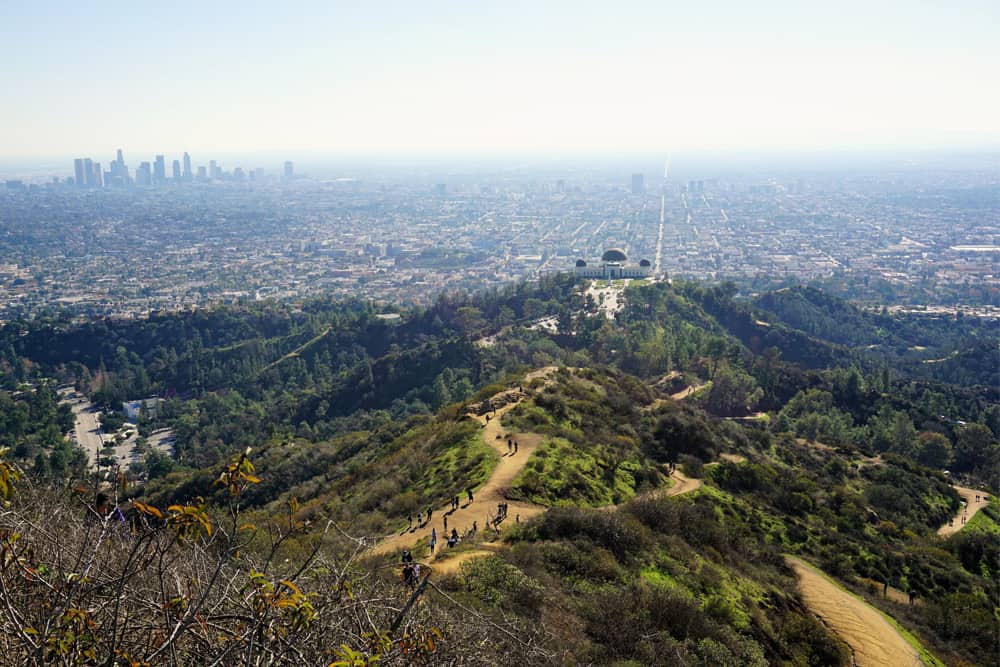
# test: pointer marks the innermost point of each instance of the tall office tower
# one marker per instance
(96, 175)
(289, 169)
(81, 180)
(160, 169)
(143, 175)
(238, 173)
(118, 172)
(211, 169)
(202, 174)
(88, 173)
(187, 167)
(638, 187)
(177, 170)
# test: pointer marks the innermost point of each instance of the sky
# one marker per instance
(480, 78)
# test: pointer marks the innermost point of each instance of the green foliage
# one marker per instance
(733, 392)
(496, 582)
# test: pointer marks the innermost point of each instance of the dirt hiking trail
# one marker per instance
(485, 499)
(873, 641)
(484, 506)
(969, 510)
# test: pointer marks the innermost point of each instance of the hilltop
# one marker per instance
(671, 456)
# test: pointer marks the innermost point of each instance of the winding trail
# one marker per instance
(971, 508)
(690, 389)
(872, 639)
(484, 506)
(447, 565)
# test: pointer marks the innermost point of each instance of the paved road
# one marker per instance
(87, 428)
(88, 436)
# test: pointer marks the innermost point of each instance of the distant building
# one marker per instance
(638, 184)
(187, 167)
(146, 407)
(613, 266)
(81, 180)
(96, 179)
(143, 174)
(160, 169)
(176, 170)
(289, 169)
(202, 174)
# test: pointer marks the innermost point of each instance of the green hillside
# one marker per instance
(670, 458)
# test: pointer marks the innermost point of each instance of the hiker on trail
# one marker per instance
(428, 515)
(409, 521)
(446, 523)
(487, 419)
(517, 518)
(515, 446)
(977, 497)
(454, 534)
(409, 577)
(469, 492)
(475, 529)
(434, 539)
(913, 596)
(510, 445)
(885, 588)
(419, 522)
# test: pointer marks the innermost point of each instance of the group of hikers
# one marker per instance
(502, 513)
(411, 570)
(424, 519)
(965, 509)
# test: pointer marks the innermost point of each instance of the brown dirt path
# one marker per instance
(971, 508)
(486, 497)
(684, 393)
(872, 639)
(491, 493)
(448, 565)
(682, 484)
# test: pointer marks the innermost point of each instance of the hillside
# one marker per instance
(640, 528)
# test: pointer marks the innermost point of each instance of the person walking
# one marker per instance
(446, 523)
(515, 446)
(469, 492)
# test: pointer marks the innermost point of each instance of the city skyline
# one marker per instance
(448, 79)
(87, 172)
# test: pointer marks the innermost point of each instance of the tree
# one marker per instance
(733, 392)
(975, 447)
(934, 449)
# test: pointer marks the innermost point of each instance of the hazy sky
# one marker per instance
(377, 78)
